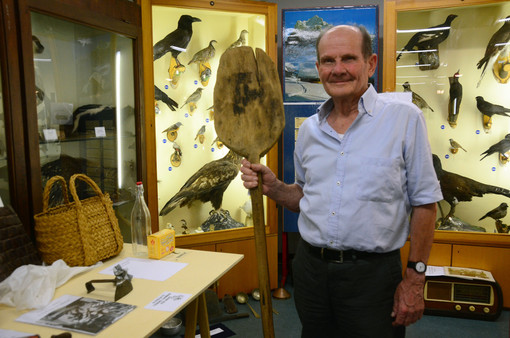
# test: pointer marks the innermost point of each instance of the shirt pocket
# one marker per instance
(379, 180)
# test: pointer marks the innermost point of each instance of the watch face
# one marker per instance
(421, 267)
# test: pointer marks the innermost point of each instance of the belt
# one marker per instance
(340, 256)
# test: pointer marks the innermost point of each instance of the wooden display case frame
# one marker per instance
(450, 248)
(391, 9)
(269, 10)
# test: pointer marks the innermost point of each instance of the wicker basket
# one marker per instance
(81, 232)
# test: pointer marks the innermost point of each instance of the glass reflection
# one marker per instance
(85, 109)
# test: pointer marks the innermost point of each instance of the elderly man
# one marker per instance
(363, 166)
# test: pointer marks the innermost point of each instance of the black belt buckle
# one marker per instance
(339, 259)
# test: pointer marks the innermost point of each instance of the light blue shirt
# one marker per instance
(359, 190)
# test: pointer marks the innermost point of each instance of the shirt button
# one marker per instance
(341, 153)
(338, 183)
(333, 213)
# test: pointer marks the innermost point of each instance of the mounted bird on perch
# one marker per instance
(207, 184)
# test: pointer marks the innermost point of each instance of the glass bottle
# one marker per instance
(140, 223)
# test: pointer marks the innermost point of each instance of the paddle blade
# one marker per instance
(248, 104)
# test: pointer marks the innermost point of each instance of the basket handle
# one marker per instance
(89, 181)
(47, 190)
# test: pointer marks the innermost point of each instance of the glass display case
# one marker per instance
(187, 147)
(459, 78)
(85, 106)
(4, 174)
(82, 102)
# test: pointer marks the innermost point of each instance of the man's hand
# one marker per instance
(408, 304)
(250, 178)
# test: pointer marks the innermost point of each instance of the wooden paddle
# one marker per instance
(249, 118)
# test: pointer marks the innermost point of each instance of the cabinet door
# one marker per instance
(82, 102)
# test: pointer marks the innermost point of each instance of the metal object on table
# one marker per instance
(122, 282)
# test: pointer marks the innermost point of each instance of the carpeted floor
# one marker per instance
(287, 325)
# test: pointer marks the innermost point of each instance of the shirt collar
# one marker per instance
(366, 104)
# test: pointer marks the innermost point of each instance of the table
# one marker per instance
(204, 268)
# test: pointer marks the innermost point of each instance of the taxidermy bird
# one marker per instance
(176, 41)
(455, 99)
(37, 46)
(193, 99)
(429, 38)
(457, 188)
(207, 184)
(501, 147)
(497, 213)
(171, 132)
(417, 99)
(160, 95)
(455, 145)
(106, 112)
(205, 54)
(496, 43)
(241, 41)
(200, 134)
(489, 109)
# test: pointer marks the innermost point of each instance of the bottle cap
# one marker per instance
(138, 183)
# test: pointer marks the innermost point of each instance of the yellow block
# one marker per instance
(161, 243)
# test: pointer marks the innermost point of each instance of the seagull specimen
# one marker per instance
(429, 38)
(176, 41)
(207, 184)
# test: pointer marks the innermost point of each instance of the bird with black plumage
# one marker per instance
(174, 43)
(457, 188)
(496, 43)
(454, 99)
(502, 147)
(160, 95)
(207, 184)
(429, 38)
(489, 109)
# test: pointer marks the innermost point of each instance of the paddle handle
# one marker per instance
(262, 265)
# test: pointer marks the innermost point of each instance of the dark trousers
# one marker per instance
(349, 299)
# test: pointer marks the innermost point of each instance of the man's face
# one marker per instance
(343, 70)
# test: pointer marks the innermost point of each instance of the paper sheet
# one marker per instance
(148, 268)
(168, 301)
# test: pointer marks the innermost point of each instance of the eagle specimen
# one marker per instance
(207, 184)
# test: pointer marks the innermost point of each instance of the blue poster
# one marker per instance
(295, 114)
(300, 29)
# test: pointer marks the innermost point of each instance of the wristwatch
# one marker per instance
(419, 267)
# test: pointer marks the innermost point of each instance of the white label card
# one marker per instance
(100, 131)
(50, 134)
